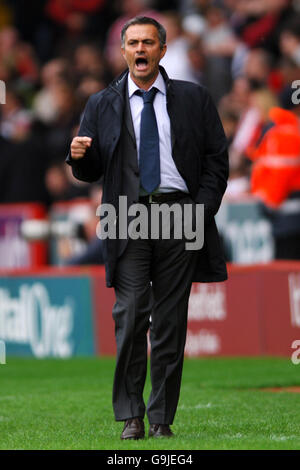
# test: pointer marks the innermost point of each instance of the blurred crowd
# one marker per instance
(55, 53)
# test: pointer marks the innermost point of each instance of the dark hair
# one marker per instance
(162, 35)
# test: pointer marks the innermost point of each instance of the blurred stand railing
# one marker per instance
(30, 237)
(246, 232)
(67, 311)
(15, 251)
(59, 311)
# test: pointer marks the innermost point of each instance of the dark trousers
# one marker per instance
(153, 278)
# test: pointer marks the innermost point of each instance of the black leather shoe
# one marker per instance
(133, 429)
(160, 430)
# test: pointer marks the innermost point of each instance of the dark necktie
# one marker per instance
(149, 162)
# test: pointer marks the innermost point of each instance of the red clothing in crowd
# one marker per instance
(276, 167)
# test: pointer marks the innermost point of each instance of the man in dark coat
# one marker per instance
(152, 277)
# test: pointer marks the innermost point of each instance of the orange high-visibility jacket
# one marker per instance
(276, 161)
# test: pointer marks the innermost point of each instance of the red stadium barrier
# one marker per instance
(223, 322)
(256, 312)
(104, 299)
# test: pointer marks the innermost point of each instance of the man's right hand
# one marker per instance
(79, 146)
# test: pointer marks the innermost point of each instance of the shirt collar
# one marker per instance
(159, 84)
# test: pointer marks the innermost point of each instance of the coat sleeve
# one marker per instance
(215, 168)
(90, 167)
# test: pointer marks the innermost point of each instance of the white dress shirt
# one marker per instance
(170, 178)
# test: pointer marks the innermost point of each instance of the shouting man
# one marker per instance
(156, 141)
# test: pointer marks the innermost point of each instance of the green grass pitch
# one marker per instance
(66, 404)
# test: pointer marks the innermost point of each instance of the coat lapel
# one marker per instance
(128, 116)
(170, 99)
(120, 103)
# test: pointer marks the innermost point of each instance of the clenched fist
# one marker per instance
(79, 146)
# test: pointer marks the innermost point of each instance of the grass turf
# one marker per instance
(66, 404)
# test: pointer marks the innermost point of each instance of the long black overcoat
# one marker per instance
(199, 150)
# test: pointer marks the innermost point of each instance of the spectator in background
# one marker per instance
(127, 9)
(219, 44)
(196, 58)
(87, 86)
(194, 7)
(73, 14)
(247, 134)
(237, 100)
(17, 58)
(72, 21)
(24, 162)
(258, 23)
(290, 40)
(290, 62)
(16, 119)
(238, 183)
(248, 121)
(65, 118)
(61, 184)
(93, 252)
(290, 73)
(53, 73)
(258, 67)
(258, 99)
(275, 180)
(176, 60)
(88, 60)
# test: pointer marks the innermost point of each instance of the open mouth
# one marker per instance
(141, 63)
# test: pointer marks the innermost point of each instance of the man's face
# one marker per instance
(142, 53)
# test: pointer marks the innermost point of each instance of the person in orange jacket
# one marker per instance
(275, 180)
